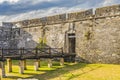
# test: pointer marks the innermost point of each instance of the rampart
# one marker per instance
(75, 16)
(96, 33)
(108, 11)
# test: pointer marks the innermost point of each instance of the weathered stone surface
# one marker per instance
(80, 15)
(97, 36)
(103, 45)
(108, 11)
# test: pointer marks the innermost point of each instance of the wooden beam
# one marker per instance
(49, 63)
(21, 66)
(3, 74)
(9, 65)
(24, 64)
(36, 65)
(62, 61)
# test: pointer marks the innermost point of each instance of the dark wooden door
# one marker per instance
(72, 43)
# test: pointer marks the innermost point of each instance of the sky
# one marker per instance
(16, 10)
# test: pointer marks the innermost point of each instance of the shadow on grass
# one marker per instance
(83, 72)
(60, 71)
(57, 71)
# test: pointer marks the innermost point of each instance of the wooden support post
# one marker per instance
(24, 64)
(36, 65)
(62, 61)
(38, 62)
(3, 74)
(21, 66)
(9, 65)
(49, 63)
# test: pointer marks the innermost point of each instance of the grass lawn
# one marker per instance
(70, 71)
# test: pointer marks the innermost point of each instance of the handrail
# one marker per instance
(22, 52)
(36, 53)
(26, 48)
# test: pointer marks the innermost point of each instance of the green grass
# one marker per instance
(70, 71)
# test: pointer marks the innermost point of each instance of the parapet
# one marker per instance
(80, 15)
(6, 24)
(31, 22)
(107, 11)
(44, 20)
(56, 18)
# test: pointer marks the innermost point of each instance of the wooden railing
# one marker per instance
(31, 53)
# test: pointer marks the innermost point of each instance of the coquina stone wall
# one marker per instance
(97, 35)
(99, 38)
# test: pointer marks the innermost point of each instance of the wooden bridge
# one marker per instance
(31, 53)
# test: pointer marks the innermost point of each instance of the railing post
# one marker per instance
(21, 52)
(62, 52)
(50, 51)
(39, 63)
(2, 54)
(36, 51)
(24, 64)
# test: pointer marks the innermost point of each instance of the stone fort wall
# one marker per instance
(97, 34)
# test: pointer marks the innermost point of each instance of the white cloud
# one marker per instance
(36, 1)
(110, 2)
(33, 14)
(9, 1)
(38, 13)
(33, 2)
(50, 11)
(25, 1)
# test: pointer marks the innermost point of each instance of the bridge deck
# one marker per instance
(33, 53)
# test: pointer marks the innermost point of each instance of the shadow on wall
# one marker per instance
(14, 37)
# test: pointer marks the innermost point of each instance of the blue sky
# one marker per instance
(13, 10)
